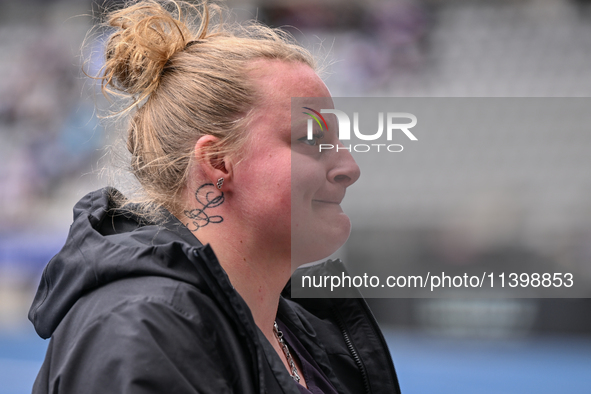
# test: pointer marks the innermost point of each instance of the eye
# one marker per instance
(313, 141)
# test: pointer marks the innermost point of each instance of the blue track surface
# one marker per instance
(425, 364)
(21, 355)
(530, 365)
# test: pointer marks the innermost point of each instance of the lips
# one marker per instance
(328, 202)
(332, 198)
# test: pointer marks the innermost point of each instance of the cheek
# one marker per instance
(264, 186)
(307, 177)
(306, 181)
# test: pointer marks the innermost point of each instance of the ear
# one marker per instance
(213, 165)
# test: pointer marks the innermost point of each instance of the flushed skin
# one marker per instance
(134, 307)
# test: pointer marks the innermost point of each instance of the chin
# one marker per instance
(320, 242)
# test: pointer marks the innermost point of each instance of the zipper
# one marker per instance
(352, 350)
(378, 333)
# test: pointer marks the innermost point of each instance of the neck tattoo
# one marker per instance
(279, 335)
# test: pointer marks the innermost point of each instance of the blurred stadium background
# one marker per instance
(51, 147)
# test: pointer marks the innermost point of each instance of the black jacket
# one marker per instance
(135, 307)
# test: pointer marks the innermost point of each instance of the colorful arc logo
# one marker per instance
(315, 116)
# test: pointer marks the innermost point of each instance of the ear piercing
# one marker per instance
(220, 183)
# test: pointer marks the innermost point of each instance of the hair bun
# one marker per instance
(147, 35)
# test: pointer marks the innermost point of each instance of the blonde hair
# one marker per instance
(185, 71)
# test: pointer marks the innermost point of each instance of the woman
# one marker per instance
(181, 292)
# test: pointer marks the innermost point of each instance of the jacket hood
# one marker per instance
(106, 244)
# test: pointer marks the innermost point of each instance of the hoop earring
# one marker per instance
(220, 183)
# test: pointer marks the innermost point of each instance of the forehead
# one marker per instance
(277, 81)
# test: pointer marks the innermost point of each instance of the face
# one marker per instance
(288, 192)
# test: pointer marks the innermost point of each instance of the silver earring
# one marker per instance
(220, 183)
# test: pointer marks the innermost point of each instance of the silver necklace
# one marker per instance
(279, 335)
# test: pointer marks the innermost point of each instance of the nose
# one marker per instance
(345, 170)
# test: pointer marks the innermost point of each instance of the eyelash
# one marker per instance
(314, 141)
